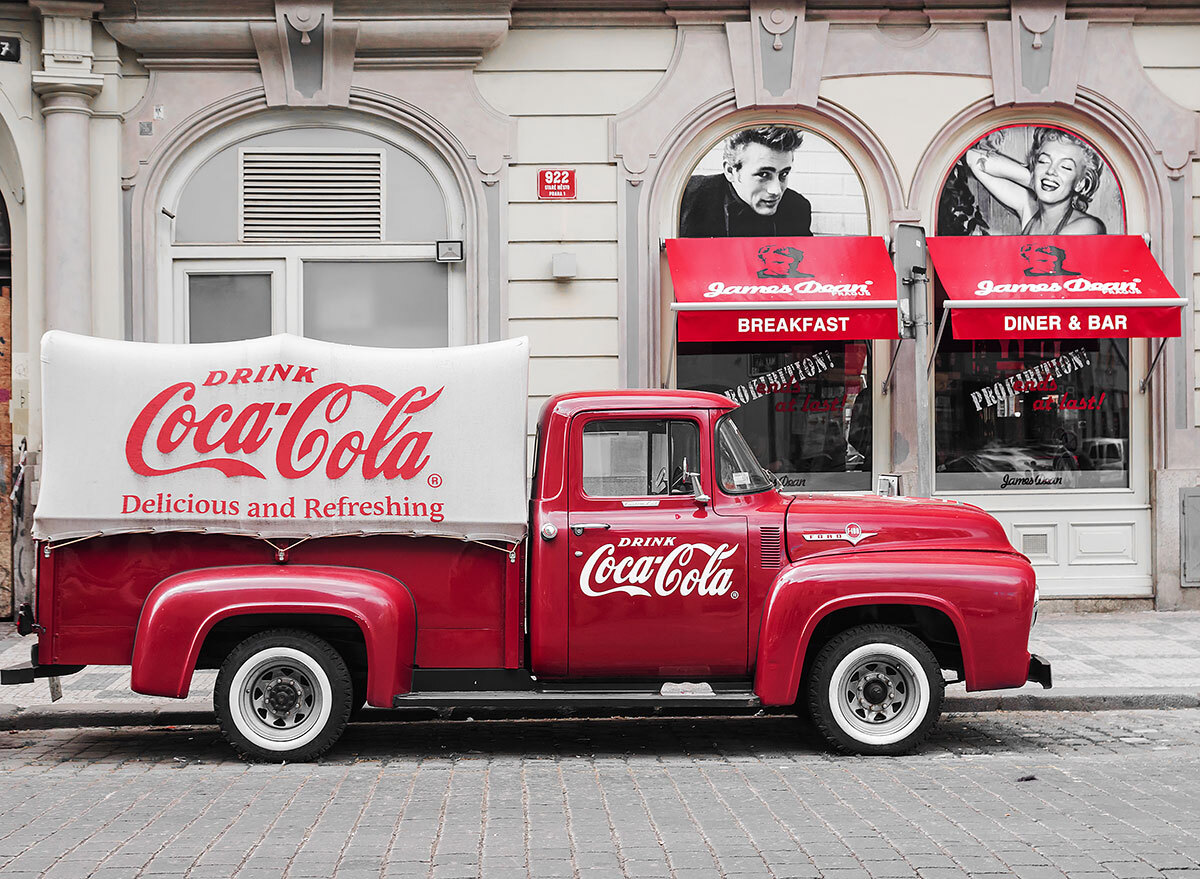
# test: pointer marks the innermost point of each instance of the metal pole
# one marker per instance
(922, 387)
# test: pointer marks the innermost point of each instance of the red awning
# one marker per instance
(1060, 286)
(782, 289)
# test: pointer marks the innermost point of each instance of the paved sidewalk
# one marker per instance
(1100, 661)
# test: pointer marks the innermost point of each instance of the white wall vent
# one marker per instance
(311, 195)
(1035, 543)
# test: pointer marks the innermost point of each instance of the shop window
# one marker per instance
(814, 429)
(1071, 428)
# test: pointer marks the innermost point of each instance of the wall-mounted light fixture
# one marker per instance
(564, 266)
(449, 251)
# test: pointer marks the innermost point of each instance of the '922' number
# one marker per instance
(557, 178)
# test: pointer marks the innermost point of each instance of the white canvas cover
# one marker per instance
(282, 437)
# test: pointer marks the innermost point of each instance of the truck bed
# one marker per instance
(468, 596)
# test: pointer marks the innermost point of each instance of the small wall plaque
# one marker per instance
(10, 48)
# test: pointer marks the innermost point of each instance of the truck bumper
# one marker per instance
(28, 672)
(1039, 671)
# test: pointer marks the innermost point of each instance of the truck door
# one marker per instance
(656, 580)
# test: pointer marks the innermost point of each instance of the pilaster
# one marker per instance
(67, 87)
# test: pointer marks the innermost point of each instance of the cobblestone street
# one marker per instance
(1034, 794)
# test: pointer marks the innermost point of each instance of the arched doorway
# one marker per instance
(326, 226)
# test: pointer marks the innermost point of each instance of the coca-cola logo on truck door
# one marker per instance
(684, 569)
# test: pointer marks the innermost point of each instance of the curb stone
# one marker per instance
(194, 712)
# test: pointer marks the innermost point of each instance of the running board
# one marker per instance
(670, 695)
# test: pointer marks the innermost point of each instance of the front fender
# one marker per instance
(987, 596)
(179, 613)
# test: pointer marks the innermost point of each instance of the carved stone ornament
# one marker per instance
(306, 56)
(777, 56)
(1037, 56)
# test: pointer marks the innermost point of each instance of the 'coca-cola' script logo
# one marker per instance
(221, 438)
(670, 573)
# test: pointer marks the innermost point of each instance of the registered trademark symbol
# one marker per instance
(733, 595)
(435, 480)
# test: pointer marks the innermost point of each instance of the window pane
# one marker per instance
(1066, 426)
(738, 472)
(225, 308)
(381, 304)
(805, 406)
(639, 458)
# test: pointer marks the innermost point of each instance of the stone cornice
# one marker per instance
(466, 30)
(69, 8)
(596, 13)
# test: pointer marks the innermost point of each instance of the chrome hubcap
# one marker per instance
(282, 696)
(876, 692)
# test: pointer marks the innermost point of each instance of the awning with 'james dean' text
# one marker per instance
(782, 289)
(1061, 287)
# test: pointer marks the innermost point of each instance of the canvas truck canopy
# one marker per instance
(282, 437)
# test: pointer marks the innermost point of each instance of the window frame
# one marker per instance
(624, 419)
(579, 500)
(287, 301)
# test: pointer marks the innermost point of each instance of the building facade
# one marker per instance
(368, 172)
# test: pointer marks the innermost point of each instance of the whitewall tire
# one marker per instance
(284, 694)
(875, 689)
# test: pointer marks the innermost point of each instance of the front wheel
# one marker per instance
(875, 689)
(281, 695)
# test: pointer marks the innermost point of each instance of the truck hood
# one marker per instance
(840, 523)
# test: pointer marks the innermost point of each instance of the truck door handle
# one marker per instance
(588, 526)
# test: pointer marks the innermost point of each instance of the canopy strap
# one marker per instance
(937, 341)
(1153, 363)
(887, 382)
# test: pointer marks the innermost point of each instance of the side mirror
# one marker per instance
(697, 492)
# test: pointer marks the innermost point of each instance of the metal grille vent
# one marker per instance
(306, 195)
(770, 545)
(1035, 543)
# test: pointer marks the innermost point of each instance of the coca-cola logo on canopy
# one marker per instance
(189, 427)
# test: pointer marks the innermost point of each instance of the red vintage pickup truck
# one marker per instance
(332, 527)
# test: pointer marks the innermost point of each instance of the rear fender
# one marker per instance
(182, 610)
(988, 597)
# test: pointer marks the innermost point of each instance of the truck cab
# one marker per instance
(661, 533)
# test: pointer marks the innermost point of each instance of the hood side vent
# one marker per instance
(770, 547)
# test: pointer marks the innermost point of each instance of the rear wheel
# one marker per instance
(281, 695)
(875, 690)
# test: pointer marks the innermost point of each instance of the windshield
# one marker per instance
(738, 471)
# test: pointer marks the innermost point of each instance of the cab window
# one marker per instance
(640, 457)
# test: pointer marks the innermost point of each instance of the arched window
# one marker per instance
(1072, 428)
(773, 180)
(320, 230)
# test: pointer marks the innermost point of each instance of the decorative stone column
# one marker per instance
(67, 86)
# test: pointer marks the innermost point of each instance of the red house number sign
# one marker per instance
(556, 183)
